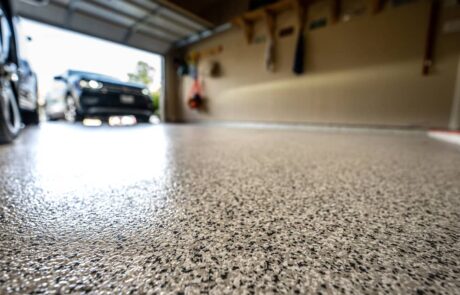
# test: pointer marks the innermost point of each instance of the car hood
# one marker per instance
(114, 82)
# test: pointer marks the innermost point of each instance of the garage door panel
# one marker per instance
(87, 24)
(150, 30)
(177, 18)
(142, 41)
(103, 14)
(150, 5)
(51, 14)
(123, 7)
(179, 29)
(149, 25)
(63, 2)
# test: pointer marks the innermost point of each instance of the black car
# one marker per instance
(83, 94)
(18, 83)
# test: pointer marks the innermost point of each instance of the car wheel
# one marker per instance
(10, 118)
(52, 119)
(31, 117)
(71, 112)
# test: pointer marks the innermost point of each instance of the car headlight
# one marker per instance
(93, 84)
(145, 91)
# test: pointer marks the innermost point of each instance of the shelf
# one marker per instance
(268, 13)
(274, 8)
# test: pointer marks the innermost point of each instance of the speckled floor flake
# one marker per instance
(189, 209)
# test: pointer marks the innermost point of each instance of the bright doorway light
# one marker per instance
(52, 51)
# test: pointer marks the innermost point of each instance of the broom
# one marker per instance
(299, 56)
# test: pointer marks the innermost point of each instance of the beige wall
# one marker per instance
(366, 71)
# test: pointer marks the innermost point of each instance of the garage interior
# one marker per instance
(299, 154)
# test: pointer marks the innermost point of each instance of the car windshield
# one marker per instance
(91, 75)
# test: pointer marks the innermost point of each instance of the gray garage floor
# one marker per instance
(228, 210)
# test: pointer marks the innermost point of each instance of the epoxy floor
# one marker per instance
(212, 209)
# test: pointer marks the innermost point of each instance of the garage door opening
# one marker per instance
(116, 77)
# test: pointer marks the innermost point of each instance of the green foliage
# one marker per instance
(156, 101)
(144, 74)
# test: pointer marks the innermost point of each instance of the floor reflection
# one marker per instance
(72, 158)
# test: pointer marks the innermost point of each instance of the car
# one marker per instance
(18, 83)
(28, 94)
(78, 94)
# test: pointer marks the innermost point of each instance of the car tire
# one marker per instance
(10, 116)
(31, 117)
(53, 119)
(71, 114)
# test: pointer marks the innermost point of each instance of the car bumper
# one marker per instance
(106, 111)
(55, 111)
(106, 104)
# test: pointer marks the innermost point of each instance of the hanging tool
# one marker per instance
(299, 56)
(270, 53)
(195, 97)
(428, 59)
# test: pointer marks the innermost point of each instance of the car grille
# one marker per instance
(112, 99)
(122, 89)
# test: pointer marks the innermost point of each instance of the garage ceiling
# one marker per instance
(145, 24)
(215, 11)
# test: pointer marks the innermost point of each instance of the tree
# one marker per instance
(144, 74)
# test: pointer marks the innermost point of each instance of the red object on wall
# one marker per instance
(195, 100)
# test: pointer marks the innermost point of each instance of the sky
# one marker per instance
(52, 51)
